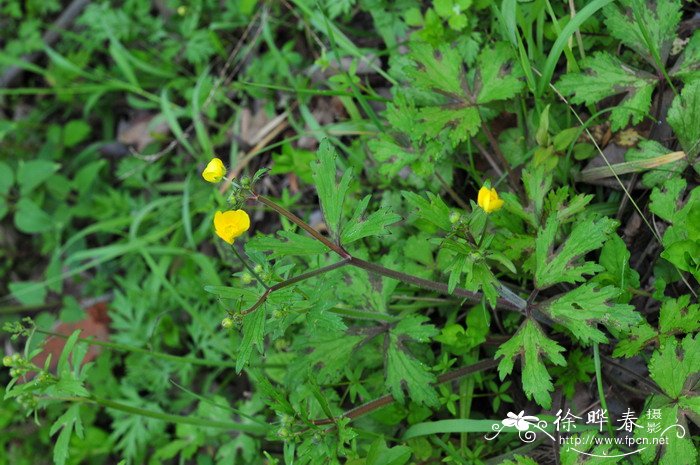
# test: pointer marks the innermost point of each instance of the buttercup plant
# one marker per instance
(443, 242)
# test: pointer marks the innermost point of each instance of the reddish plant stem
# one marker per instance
(516, 304)
(303, 225)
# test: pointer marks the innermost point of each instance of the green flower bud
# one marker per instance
(7, 361)
(455, 217)
(227, 323)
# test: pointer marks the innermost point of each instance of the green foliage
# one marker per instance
(650, 32)
(532, 346)
(560, 265)
(587, 305)
(456, 95)
(362, 316)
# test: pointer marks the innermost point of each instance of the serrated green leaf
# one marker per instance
(679, 315)
(537, 182)
(391, 155)
(687, 66)
(635, 341)
(68, 422)
(519, 460)
(606, 75)
(664, 201)
(661, 23)
(495, 80)
(233, 293)
(404, 371)
(414, 327)
(437, 70)
(672, 365)
(361, 226)
(331, 194)
(434, 210)
(253, 333)
(581, 309)
(678, 446)
(684, 254)
(330, 354)
(560, 265)
(615, 257)
(459, 123)
(532, 346)
(684, 118)
(287, 243)
(453, 110)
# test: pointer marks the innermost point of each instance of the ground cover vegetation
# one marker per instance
(366, 232)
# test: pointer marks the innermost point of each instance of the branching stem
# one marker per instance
(510, 301)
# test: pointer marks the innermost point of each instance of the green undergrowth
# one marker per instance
(377, 311)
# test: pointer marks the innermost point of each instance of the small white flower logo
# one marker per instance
(521, 421)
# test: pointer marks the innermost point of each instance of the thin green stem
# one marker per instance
(256, 429)
(248, 267)
(599, 382)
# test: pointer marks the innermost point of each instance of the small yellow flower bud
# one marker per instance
(488, 199)
(227, 323)
(214, 171)
(181, 10)
(231, 224)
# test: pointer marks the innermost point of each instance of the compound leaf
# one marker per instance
(581, 310)
(330, 193)
(605, 76)
(560, 265)
(532, 346)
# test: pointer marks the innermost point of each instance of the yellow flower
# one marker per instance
(214, 171)
(231, 224)
(488, 199)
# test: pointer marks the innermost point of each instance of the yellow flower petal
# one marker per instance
(231, 224)
(488, 199)
(483, 194)
(214, 171)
